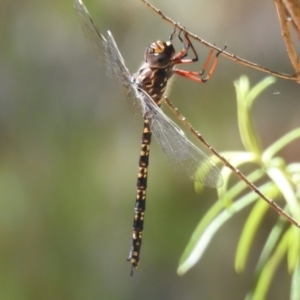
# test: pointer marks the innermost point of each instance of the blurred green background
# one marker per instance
(70, 146)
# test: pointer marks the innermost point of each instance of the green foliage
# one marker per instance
(282, 181)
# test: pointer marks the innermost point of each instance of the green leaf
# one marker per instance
(269, 269)
(248, 233)
(282, 181)
(236, 158)
(295, 287)
(293, 254)
(207, 228)
(281, 143)
(245, 99)
(269, 246)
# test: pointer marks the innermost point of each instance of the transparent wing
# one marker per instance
(183, 155)
(116, 63)
(90, 30)
(107, 51)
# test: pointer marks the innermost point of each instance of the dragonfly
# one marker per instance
(144, 91)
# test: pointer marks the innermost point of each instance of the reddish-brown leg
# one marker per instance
(196, 75)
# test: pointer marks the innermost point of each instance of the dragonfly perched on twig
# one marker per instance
(144, 91)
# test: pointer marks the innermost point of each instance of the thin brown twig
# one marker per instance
(226, 54)
(294, 26)
(287, 37)
(293, 8)
(237, 172)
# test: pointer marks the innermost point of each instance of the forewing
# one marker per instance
(107, 51)
(90, 30)
(116, 63)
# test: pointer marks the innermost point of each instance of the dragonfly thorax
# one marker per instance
(153, 75)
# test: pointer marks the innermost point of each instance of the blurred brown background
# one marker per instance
(69, 150)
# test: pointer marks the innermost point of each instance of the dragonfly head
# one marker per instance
(159, 54)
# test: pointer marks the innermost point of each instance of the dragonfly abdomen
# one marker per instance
(140, 202)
